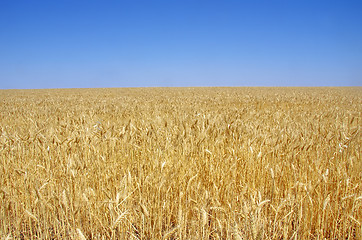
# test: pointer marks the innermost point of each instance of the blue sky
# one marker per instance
(131, 43)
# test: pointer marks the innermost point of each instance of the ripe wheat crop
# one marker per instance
(181, 163)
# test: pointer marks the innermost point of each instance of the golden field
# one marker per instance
(181, 163)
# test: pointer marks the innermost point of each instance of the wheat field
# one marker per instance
(181, 163)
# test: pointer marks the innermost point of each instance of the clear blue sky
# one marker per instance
(130, 43)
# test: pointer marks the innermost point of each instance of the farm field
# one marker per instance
(181, 163)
